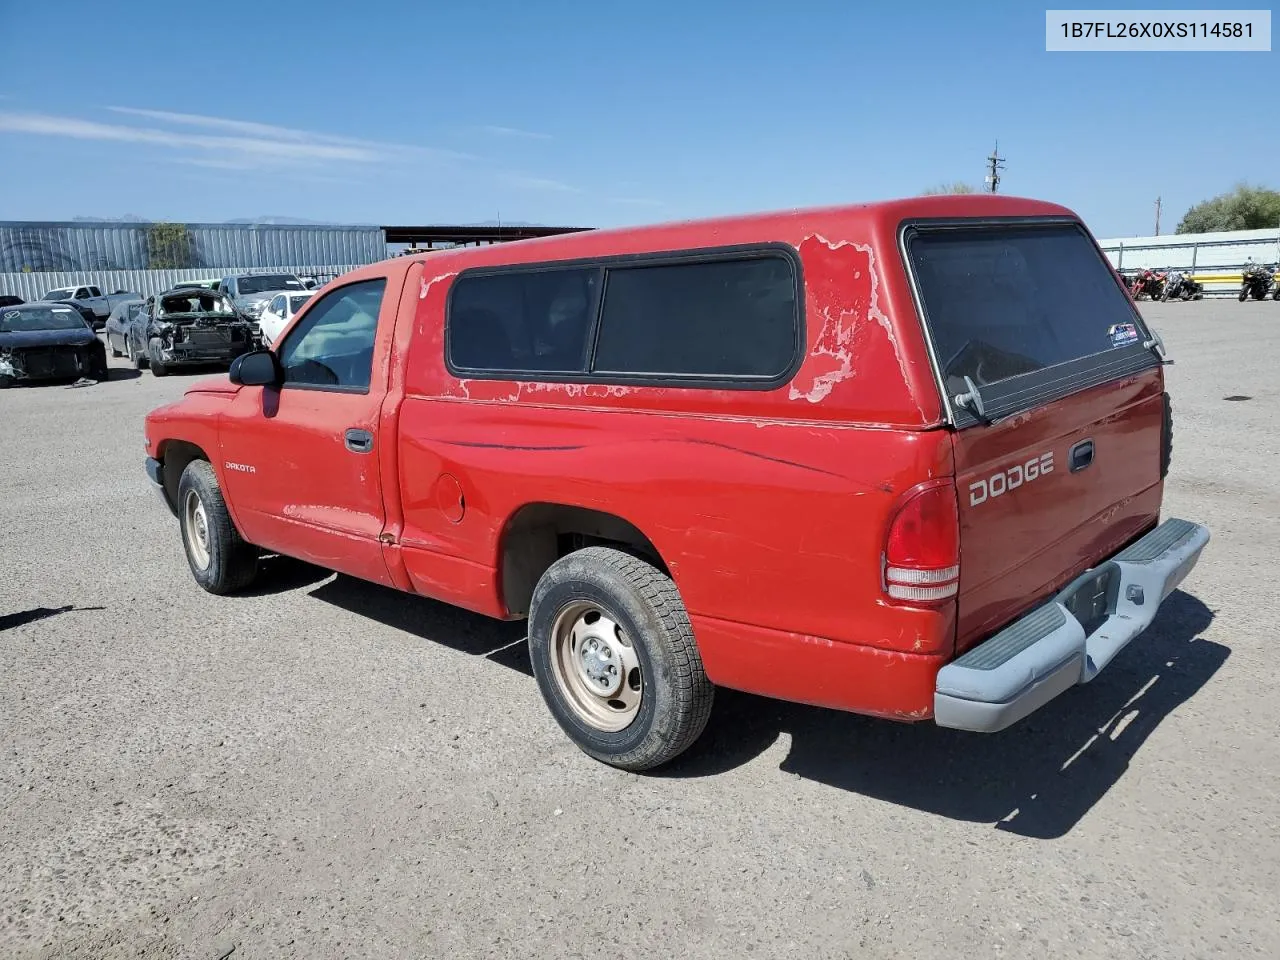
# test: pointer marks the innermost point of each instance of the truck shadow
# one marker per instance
(1036, 779)
(280, 574)
(501, 641)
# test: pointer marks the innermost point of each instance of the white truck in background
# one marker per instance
(90, 301)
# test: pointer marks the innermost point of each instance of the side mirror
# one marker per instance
(258, 368)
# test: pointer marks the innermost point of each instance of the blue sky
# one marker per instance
(600, 114)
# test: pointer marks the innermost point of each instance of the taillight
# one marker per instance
(922, 549)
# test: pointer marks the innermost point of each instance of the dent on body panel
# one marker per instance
(854, 338)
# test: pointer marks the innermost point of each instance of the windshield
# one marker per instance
(63, 294)
(26, 319)
(1001, 301)
(295, 303)
(270, 281)
(188, 302)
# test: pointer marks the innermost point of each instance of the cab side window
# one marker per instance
(332, 348)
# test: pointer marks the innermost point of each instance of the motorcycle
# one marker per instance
(1180, 286)
(1149, 283)
(1257, 281)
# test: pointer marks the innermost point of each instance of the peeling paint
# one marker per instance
(585, 390)
(923, 713)
(504, 391)
(846, 309)
(428, 284)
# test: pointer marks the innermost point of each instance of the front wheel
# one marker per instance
(139, 360)
(220, 560)
(158, 367)
(615, 659)
(1244, 293)
(98, 368)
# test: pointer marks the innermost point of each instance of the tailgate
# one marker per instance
(1057, 402)
(1044, 497)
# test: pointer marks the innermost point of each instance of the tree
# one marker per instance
(1244, 208)
(169, 246)
(956, 187)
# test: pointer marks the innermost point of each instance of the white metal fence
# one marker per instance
(33, 286)
(1216, 257)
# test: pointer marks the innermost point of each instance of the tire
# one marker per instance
(1275, 294)
(219, 558)
(6, 381)
(634, 612)
(1244, 293)
(98, 370)
(112, 347)
(1259, 293)
(139, 360)
(158, 367)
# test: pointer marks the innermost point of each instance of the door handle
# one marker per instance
(1081, 456)
(359, 441)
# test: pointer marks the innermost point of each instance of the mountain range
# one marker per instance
(294, 221)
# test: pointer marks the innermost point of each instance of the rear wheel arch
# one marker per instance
(538, 534)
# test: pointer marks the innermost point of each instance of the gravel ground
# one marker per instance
(328, 769)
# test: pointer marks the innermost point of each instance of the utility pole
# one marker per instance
(1157, 216)
(995, 163)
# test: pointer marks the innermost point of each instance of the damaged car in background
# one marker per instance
(48, 341)
(188, 326)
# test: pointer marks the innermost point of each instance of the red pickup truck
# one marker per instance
(904, 459)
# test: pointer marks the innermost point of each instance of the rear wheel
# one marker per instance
(1259, 292)
(138, 360)
(615, 658)
(220, 560)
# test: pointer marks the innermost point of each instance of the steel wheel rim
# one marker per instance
(596, 666)
(196, 530)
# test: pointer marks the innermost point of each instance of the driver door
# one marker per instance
(301, 458)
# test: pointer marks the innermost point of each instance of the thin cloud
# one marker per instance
(497, 131)
(263, 150)
(255, 146)
(271, 131)
(538, 183)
